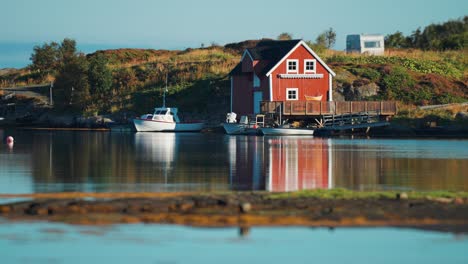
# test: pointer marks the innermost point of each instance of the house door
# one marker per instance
(257, 98)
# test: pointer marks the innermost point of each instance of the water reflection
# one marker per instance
(280, 163)
(165, 162)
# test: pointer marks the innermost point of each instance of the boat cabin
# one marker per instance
(163, 114)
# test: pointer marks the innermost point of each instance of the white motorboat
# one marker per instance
(283, 131)
(244, 127)
(165, 119)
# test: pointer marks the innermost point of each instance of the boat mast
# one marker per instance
(164, 94)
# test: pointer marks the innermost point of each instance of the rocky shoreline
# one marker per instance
(243, 209)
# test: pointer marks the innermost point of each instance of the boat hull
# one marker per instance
(240, 129)
(142, 125)
(270, 131)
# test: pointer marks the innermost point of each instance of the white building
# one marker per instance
(365, 43)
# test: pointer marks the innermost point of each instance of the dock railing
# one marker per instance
(312, 108)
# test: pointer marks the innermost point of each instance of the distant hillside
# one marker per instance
(198, 82)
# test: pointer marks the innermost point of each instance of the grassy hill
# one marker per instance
(198, 78)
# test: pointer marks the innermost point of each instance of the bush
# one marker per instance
(366, 72)
(398, 85)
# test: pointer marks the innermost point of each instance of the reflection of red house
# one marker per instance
(278, 71)
(279, 164)
(297, 164)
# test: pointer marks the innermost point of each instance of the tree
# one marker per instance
(67, 49)
(446, 36)
(71, 88)
(100, 81)
(330, 38)
(321, 40)
(99, 75)
(44, 58)
(284, 36)
(125, 81)
(395, 40)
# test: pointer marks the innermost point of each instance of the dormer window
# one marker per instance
(292, 66)
(309, 66)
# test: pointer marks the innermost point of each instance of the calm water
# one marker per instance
(59, 243)
(108, 162)
(42, 161)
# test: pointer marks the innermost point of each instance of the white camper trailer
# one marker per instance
(364, 43)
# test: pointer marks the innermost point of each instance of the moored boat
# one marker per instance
(244, 126)
(165, 119)
(313, 98)
(282, 131)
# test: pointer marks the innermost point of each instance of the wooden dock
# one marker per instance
(313, 108)
(331, 115)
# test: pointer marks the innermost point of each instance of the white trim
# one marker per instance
(297, 66)
(292, 89)
(246, 52)
(305, 66)
(301, 76)
(232, 87)
(308, 49)
(330, 87)
(330, 164)
(270, 166)
(271, 87)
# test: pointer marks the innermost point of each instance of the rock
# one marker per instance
(245, 207)
(458, 201)
(440, 199)
(402, 196)
(244, 231)
(338, 96)
(326, 210)
(367, 90)
(5, 209)
(462, 116)
(186, 205)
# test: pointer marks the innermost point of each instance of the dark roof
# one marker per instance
(271, 51)
(237, 70)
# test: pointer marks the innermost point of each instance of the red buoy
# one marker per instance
(10, 140)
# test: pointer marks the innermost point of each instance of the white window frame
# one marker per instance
(292, 71)
(292, 89)
(305, 66)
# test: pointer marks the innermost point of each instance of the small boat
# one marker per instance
(284, 131)
(313, 98)
(244, 127)
(165, 119)
(240, 129)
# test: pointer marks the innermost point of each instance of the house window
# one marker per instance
(292, 94)
(309, 66)
(292, 66)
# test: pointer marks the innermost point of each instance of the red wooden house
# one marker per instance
(278, 71)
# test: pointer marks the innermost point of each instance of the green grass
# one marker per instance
(348, 194)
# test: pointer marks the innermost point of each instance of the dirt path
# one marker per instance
(34, 91)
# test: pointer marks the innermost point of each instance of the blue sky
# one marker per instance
(179, 24)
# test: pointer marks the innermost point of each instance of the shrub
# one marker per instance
(367, 72)
(398, 84)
